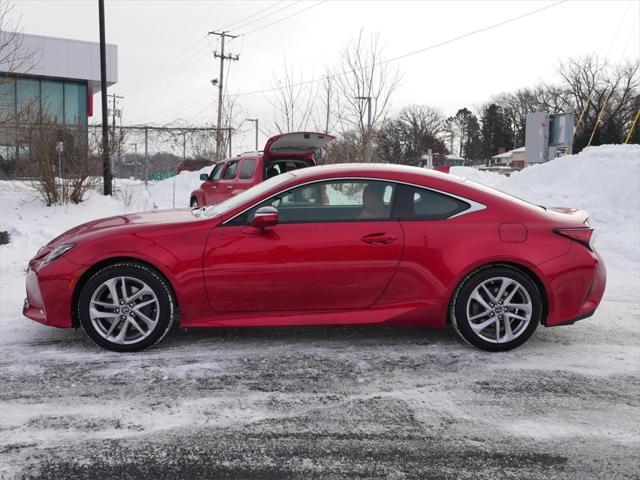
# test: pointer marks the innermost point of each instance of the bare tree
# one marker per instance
(362, 72)
(294, 101)
(325, 118)
(606, 97)
(14, 55)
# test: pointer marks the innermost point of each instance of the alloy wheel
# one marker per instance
(499, 310)
(124, 310)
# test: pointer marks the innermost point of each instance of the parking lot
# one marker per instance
(362, 402)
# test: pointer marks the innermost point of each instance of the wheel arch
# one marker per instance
(509, 264)
(89, 272)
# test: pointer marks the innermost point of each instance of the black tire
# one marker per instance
(458, 309)
(194, 202)
(166, 311)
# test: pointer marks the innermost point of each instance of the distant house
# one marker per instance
(513, 158)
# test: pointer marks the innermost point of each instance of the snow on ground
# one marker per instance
(370, 402)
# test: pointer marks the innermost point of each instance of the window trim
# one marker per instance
(473, 205)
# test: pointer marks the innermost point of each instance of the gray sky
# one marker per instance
(166, 61)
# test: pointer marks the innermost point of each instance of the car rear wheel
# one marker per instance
(496, 308)
(194, 203)
(126, 307)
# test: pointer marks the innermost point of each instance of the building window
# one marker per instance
(75, 104)
(28, 99)
(52, 100)
(7, 99)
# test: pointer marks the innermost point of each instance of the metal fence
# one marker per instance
(141, 152)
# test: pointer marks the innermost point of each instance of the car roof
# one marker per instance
(375, 169)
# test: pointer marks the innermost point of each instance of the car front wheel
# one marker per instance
(194, 203)
(126, 307)
(496, 308)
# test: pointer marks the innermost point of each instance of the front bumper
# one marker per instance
(50, 292)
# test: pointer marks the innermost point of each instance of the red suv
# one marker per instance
(282, 153)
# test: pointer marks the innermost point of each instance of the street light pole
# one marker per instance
(368, 154)
(106, 161)
(255, 120)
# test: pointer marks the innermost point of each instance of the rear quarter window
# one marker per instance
(414, 203)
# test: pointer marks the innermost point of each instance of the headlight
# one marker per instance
(58, 252)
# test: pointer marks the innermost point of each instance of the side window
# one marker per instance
(216, 172)
(247, 168)
(335, 201)
(230, 171)
(415, 203)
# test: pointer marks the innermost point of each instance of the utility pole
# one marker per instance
(106, 163)
(367, 155)
(255, 120)
(113, 123)
(114, 111)
(222, 57)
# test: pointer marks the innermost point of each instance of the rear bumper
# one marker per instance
(577, 284)
(49, 292)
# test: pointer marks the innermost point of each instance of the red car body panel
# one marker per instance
(325, 273)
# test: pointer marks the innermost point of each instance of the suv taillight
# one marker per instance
(583, 235)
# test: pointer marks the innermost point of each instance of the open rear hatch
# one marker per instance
(295, 145)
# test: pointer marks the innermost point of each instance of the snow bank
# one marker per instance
(603, 180)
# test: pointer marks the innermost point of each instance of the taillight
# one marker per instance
(581, 235)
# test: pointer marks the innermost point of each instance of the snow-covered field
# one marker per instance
(365, 402)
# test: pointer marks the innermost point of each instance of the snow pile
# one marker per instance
(603, 180)
(173, 192)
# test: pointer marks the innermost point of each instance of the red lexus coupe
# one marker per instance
(341, 244)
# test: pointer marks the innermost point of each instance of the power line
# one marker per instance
(288, 5)
(282, 19)
(226, 27)
(164, 64)
(409, 54)
(167, 62)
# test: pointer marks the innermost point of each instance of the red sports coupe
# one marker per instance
(340, 244)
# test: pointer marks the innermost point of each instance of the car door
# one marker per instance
(227, 182)
(210, 187)
(326, 253)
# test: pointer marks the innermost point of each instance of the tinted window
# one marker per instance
(337, 201)
(52, 100)
(216, 172)
(415, 203)
(230, 171)
(247, 168)
(75, 103)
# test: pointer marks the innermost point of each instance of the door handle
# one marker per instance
(379, 238)
(229, 187)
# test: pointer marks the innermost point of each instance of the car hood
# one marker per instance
(128, 221)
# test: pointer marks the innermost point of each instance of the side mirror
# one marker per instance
(204, 177)
(265, 217)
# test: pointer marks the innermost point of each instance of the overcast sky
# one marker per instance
(165, 58)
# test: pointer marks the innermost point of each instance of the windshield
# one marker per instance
(242, 197)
